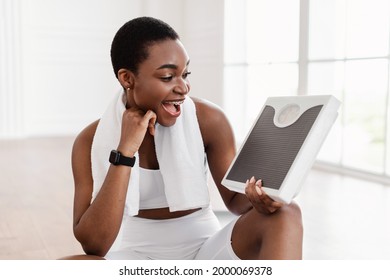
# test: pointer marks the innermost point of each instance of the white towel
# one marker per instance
(180, 153)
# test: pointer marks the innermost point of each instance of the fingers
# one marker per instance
(147, 120)
(151, 128)
(259, 199)
(151, 118)
(253, 191)
(135, 124)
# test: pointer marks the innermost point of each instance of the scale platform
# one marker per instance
(283, 144)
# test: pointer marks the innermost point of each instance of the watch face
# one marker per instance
(114, 157)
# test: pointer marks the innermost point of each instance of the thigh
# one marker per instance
(219, 245)
(127, 254)
(178, 238)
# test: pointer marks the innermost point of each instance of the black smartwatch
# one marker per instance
(116, 158)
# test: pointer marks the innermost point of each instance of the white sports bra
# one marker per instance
(151, 189)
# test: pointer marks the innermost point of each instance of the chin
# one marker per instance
(166, 119)
(167, 124)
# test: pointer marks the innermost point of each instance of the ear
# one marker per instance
(126, 78)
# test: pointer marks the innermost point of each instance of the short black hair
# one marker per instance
(129, 46)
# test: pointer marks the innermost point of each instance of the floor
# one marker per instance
(344, 218)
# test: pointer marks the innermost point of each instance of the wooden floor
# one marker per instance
(36, 192)
(344, 218)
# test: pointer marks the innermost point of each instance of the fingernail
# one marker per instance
(252, 180)
(258, 183)
(246, 183)
(258, 190)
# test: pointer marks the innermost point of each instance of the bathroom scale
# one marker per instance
(283, 144)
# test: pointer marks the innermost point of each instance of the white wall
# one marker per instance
(203, 37)
(56, 74)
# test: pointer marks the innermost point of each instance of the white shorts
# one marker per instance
(195, 236)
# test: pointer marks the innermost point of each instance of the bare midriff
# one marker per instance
(163, 213)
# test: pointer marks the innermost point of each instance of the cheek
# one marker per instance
(148, 97)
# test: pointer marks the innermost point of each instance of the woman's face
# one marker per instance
(161, 84)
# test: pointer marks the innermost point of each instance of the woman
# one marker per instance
(149, 201)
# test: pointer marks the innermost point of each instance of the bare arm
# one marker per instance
(97, 224)
(220, 148)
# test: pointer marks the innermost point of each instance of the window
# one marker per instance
(339, 47)
(257, 62)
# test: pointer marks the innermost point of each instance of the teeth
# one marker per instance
(175, 102)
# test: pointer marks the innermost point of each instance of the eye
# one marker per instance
(166, 78)
(185, 75)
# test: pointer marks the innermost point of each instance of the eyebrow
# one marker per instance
(171, 66)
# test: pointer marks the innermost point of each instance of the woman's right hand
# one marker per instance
(135, 124)
(259, 199)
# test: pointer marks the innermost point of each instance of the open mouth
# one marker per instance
(173, 107)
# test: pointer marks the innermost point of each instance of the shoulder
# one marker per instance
(208, 113)
(81, 159)
(212, 120)
(81, 152)
(85, 137)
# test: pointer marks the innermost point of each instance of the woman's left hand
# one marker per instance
(259, 199)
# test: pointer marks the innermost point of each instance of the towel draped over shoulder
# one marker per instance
(180, 154)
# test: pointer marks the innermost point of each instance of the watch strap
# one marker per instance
(116, 158)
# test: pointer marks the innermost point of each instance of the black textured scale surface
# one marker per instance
(270, 151)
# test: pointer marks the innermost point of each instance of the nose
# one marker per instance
(182, 87)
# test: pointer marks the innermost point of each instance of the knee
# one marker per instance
(290, 216)
(292, 211)
(287, 218)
